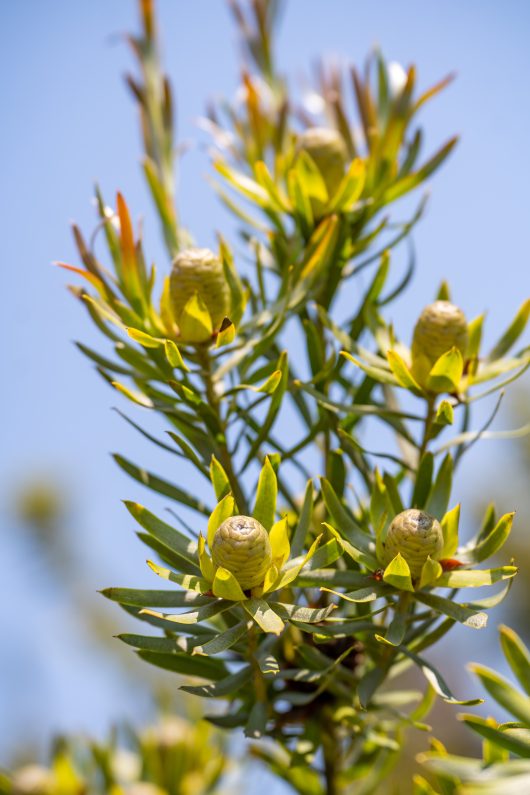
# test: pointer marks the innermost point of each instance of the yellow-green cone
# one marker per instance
(328, 151)
(198, 271)
(241, 545)
(415, 535)
(440, 327)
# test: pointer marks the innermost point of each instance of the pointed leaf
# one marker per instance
(397, 574)
(267, 492)
(225, 586)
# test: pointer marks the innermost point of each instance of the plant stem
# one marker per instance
(329, 747)
(429, 416)
(203, 355)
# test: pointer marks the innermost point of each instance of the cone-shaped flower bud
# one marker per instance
(415, 535)
(328, 151)
(440, 327)
(198, 274)
(241, 545)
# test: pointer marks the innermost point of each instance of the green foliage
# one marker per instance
(274, 430)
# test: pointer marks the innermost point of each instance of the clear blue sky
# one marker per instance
(67, 121)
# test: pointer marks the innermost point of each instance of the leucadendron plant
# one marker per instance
(301, 579)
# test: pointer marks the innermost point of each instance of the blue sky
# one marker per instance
(67, 121)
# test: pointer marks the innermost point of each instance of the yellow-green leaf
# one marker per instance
(397, 574)
(205, 561)
(225, 586)
(446, 373)
(430, 572)
(267, 492)
(222, 511)
(402, 372)
(279, 539)
(195, 323)
(450, 532)
(173, 355)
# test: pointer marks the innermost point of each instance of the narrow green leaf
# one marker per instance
(500, 737)
(203, 667)
(257, 722)
(517, 655)
(161, 486)
(450, 524)
(512, 333)
(154, 598)
(441, 491)
(298, 540)
(475, 578)
(402, 373)
(512, 700)
(430, 573)
(219, 478)
(493, 541)
(465, 614)
(266, 495)
(225, 640)
(221, 512)
(173, 356)
(423, 484)
(222, 688)
(264, 616)
(164, 532)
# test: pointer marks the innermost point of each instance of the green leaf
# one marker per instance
(444, 414)
(342, 519)
(441, 491)
(173, 356)
(223, 687)
(301, 531)
(423, 484)
(475, 578)
(350, 188)
(168, 535)
(498, 736)
(450, 524)
(470, 616)
(436, 680)
(264, 616)
(402, 373)
(225, 586)
(397, 574)
(369, 683)
(446, 373)
(512, 333)
(493, 541)
(257, 722)
(517, 655)
(274, 407)
(225, 640)
(430, 573)
(366, 559)
(188, 581)
(219, 478)
(195, 322)
(161, 486)
(308, 615)
(266, 495)
(205, 561)
(155, 598)
(279, 541)
(150, 642)
(144, 339)
(396, 630)
(512, 700)
(203, 667)
(264, 178)
(221, 512)
(192, 616)
(310, 178)
(377, 373)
